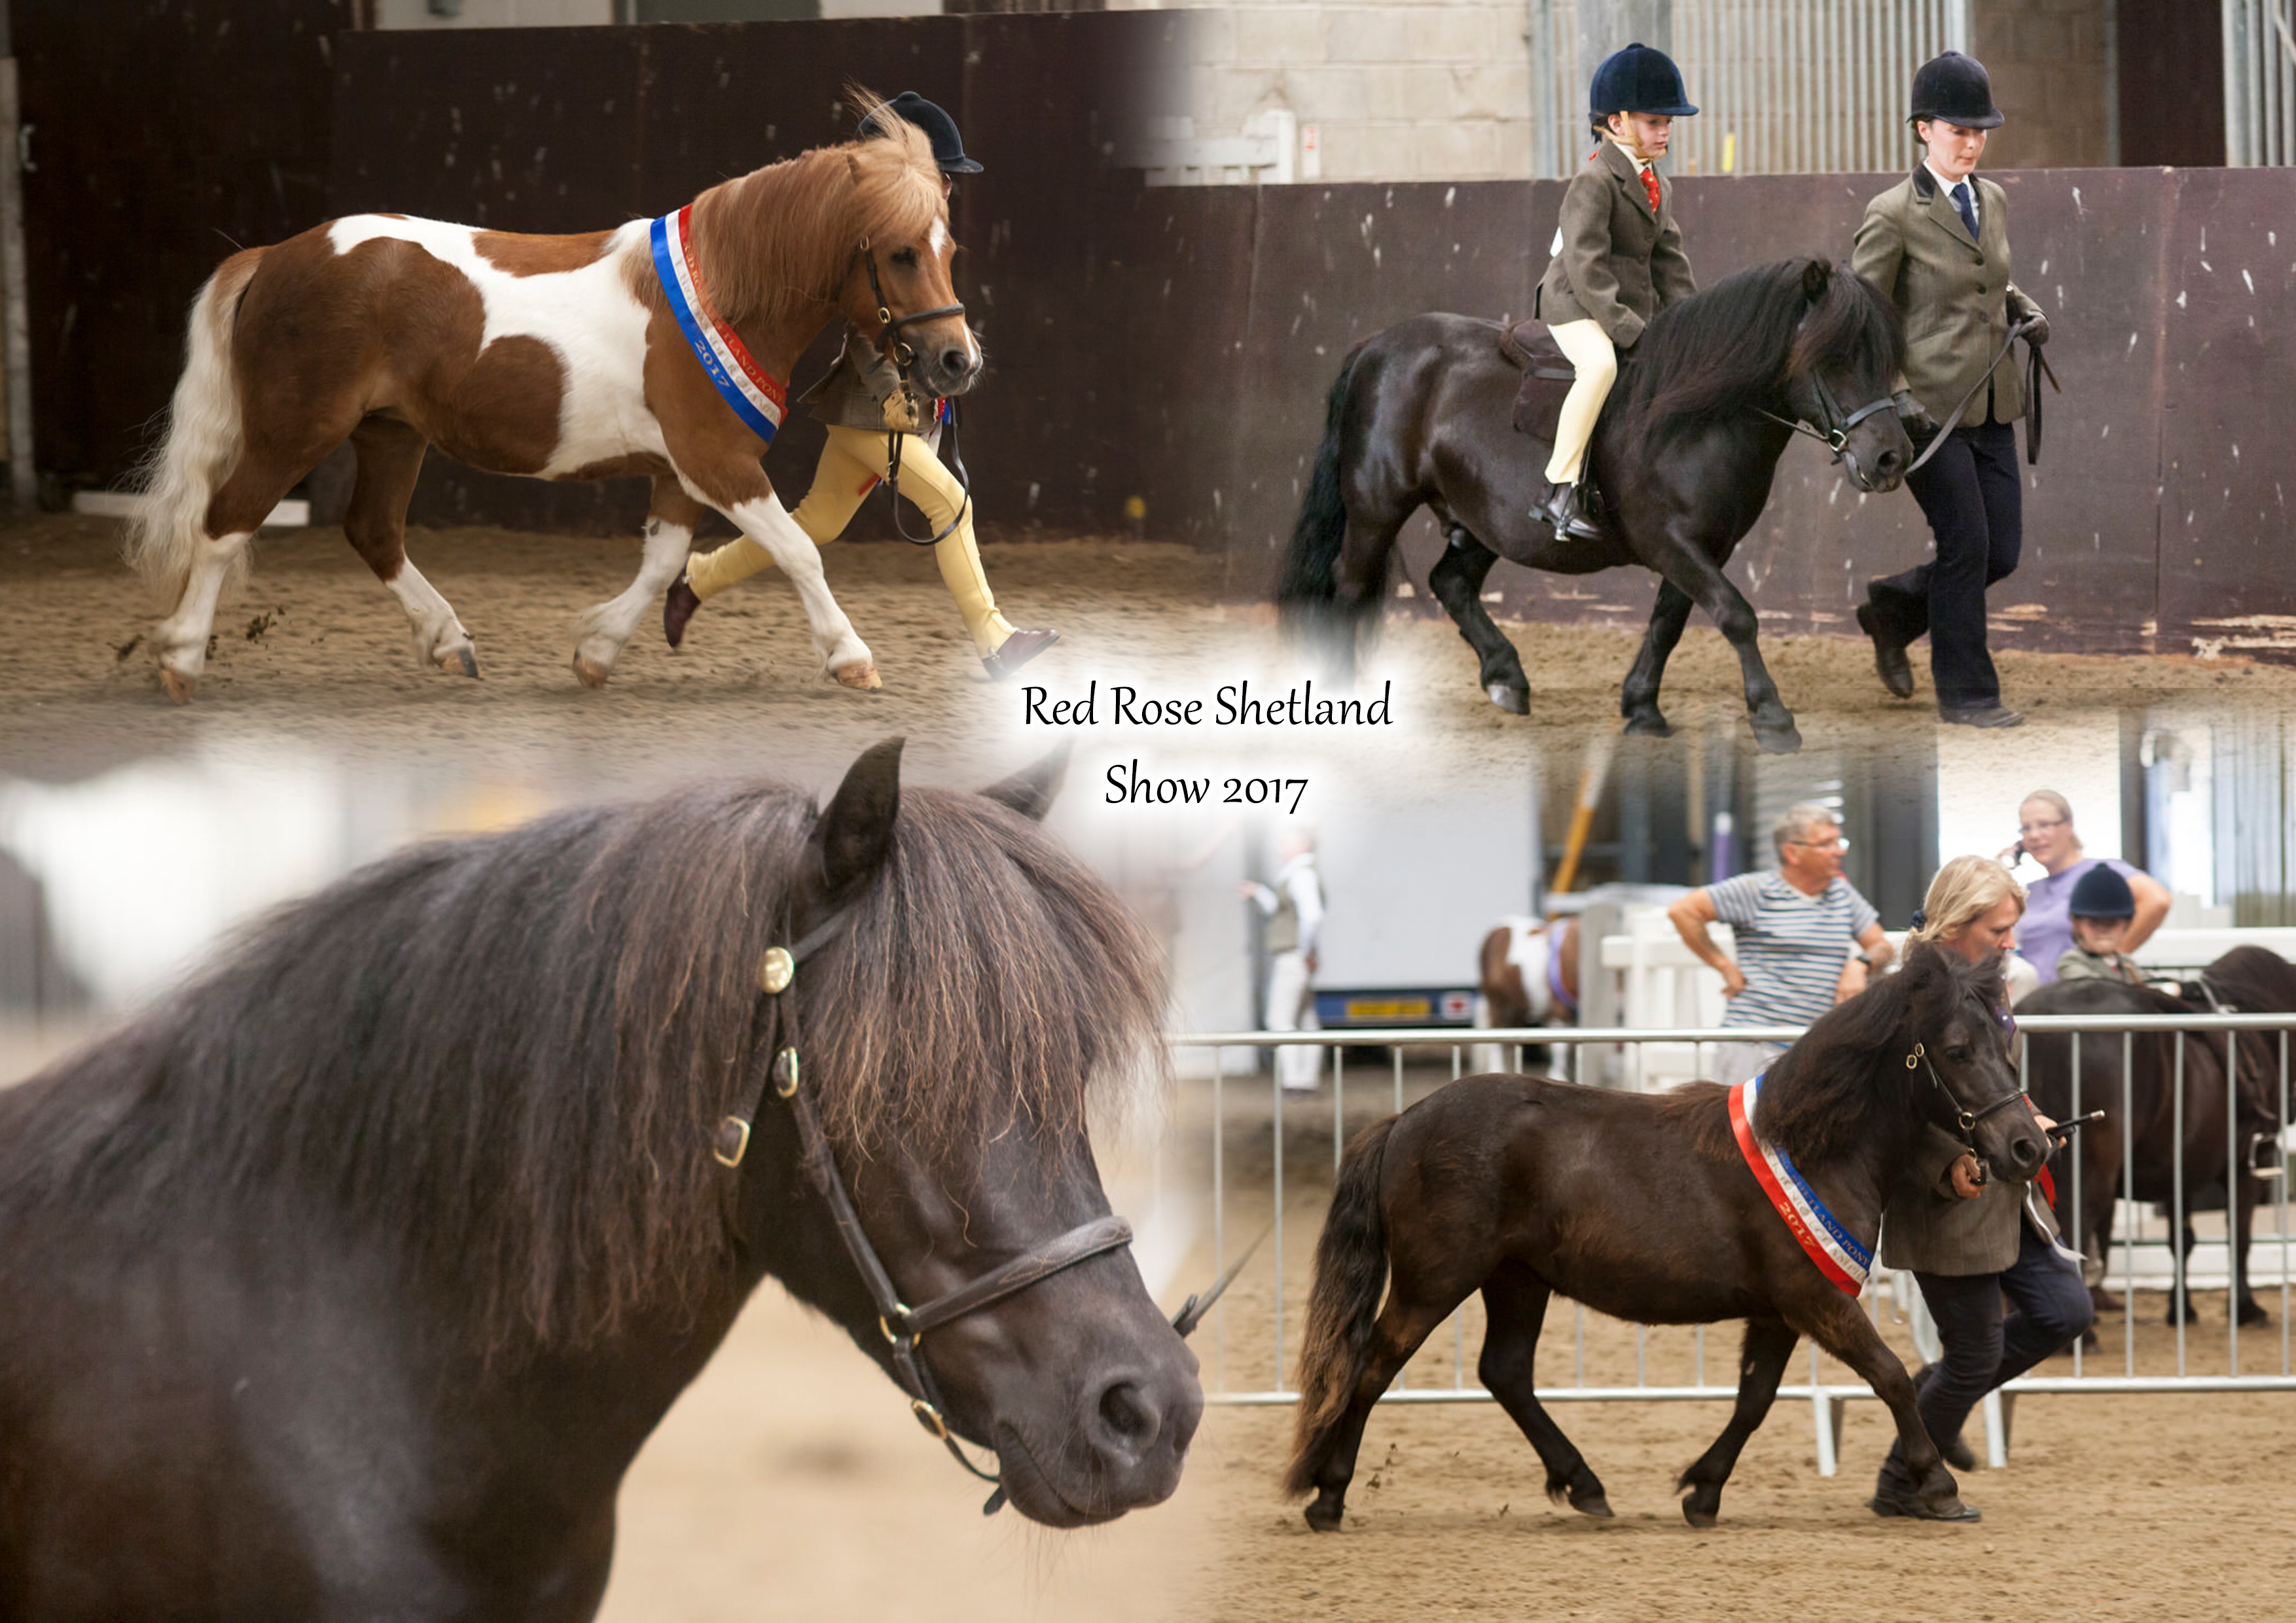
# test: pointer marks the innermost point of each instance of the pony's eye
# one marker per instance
(906, 258)
(1958, 1054)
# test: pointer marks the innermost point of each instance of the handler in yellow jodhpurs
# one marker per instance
(865, 405)
(1618, 259)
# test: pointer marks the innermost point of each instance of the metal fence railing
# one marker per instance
(2144, 1255)
(2260, 68)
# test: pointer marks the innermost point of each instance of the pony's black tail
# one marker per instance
(1350, 1275)
(1307, 583)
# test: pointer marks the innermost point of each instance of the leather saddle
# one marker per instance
(1547, 378)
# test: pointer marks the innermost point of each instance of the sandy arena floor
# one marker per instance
(316, 653)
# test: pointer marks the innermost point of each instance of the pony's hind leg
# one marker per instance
(389, 460)
(601, 631)
(1457, 580)
(1761, 1363)
(1516, 1302)
(1406, 1322)
(1638, 698)
(238, 509)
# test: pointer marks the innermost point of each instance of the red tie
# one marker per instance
(1650, 184)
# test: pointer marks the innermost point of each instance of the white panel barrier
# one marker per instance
(2142, 1257)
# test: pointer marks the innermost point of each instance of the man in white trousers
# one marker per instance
(1294, 910)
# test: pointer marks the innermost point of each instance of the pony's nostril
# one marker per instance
(1128, 1415)
(2025, 1153)
(956, 362)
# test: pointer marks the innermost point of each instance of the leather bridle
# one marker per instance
(902, 1325)
(1963, 1120)
(903, 356)
(1833, 433)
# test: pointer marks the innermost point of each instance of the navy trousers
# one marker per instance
(1972, 498)
(1984, 1345)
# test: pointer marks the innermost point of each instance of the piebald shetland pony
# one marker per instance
(555, 356)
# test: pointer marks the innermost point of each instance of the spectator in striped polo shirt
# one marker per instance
(1805, 939)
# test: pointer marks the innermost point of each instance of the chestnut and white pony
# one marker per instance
(1528, 975)
(555, 356)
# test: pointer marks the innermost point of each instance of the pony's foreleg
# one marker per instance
(2245, 1306)
(1761, 1363)
(765, 521)
(1686, 566)
(1403, 1324)
(1516, 1302)
(1457, 580)
(1638, 698)
(601, 630)
(1839, 1325)
(390, 461)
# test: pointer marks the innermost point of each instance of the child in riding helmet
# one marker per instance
(1618, 258)
(2100, 906)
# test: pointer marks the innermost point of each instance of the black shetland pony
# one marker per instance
(1641, 1206)
(347, 1284)
(2213, 1154)
(1421, 416)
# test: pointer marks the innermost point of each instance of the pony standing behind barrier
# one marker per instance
(662, 347)
(1649, 1208)
(348, 1282)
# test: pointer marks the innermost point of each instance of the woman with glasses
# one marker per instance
(2045, 832)
(1805, 939)
(1969, 1240)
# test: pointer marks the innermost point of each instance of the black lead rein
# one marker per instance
(898, 351)
(901, 1324)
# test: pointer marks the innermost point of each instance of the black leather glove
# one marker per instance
(1921, 427)
(2034, 328)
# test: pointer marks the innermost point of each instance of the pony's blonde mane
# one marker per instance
(781, 239)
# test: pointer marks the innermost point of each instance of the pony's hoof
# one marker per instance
(1514, 701)
(1778, 740)
(1648, 724)
(1324, 1517)
(1697, 1514)
(863, 675)
(178, 686)
(593, 674)
(462, 659)
(1592, 1504)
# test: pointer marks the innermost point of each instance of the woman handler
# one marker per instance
(865, 406)
(1618, 258)
(1937, 245)
(1970, 1243)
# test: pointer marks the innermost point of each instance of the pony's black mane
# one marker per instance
(2254, 979)
(1820, 1099)
(1732, 346)
(506, 1054)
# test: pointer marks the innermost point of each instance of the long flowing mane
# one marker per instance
(510, 1050)
(1820, 1099)
(1734, 345)
(784, 236)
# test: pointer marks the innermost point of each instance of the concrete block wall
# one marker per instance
(2051, 63)
(1396, 89)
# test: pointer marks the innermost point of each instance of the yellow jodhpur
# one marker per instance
(1592, 358)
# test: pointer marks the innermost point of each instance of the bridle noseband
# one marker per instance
(1964, 1121)
(1834, 433)
(903, 356)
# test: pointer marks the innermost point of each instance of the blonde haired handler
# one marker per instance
(865, 406)
(1618, 258)
(1970, 1242)
(1937, 245)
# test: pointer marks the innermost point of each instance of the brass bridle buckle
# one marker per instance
(1914, 1058)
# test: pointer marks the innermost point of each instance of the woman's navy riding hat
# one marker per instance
(1639, 79)
(1954, 88)
(2101, 893)
(948, 146)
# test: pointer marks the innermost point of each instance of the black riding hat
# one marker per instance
(1953, 88)
(1639, 79)
(948, 146)
(2101, 893)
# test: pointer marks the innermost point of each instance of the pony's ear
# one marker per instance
(1030, 792)
(1815, 275)
(855, 834)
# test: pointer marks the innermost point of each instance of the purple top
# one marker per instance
(2046, 930)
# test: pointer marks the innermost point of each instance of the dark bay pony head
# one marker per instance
(1856, 1072)
(499, 1063)
(1802, 338)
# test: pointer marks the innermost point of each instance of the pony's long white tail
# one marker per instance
(202, 443)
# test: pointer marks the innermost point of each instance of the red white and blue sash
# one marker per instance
(757, 398)
(1840, 1255)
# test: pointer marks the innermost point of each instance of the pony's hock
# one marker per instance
(659, 348)
(1423, 415)
(431, 1245)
